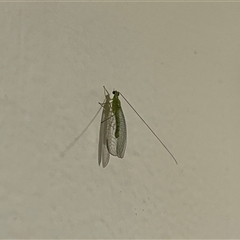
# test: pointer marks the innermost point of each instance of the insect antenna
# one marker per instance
(150, 129)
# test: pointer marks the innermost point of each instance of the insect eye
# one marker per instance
(115, 92)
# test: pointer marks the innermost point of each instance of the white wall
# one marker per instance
(178, 65)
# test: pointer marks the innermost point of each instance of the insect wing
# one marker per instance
(117, 146)
(111, 139)
(103, 153)
(122, 139)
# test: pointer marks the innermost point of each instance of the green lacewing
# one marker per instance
(113, 129)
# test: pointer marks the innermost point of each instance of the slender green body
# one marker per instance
(117, 131)
(116, 106)
(113, 130)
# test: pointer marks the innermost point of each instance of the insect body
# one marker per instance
(113, 131)
(116, 108)
(117, 138)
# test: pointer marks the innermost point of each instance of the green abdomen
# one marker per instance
(117, 125)
(116, 106)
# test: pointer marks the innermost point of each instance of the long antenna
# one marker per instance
(150, 129)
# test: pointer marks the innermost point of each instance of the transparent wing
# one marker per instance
(117, 146)
(103, 153)
(111, 140)
(122, 139)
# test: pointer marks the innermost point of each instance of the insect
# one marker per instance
(113, 130)
(117, 137)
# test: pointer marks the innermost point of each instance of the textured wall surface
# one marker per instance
(178, 65)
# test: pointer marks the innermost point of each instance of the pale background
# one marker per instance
(178, 65)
